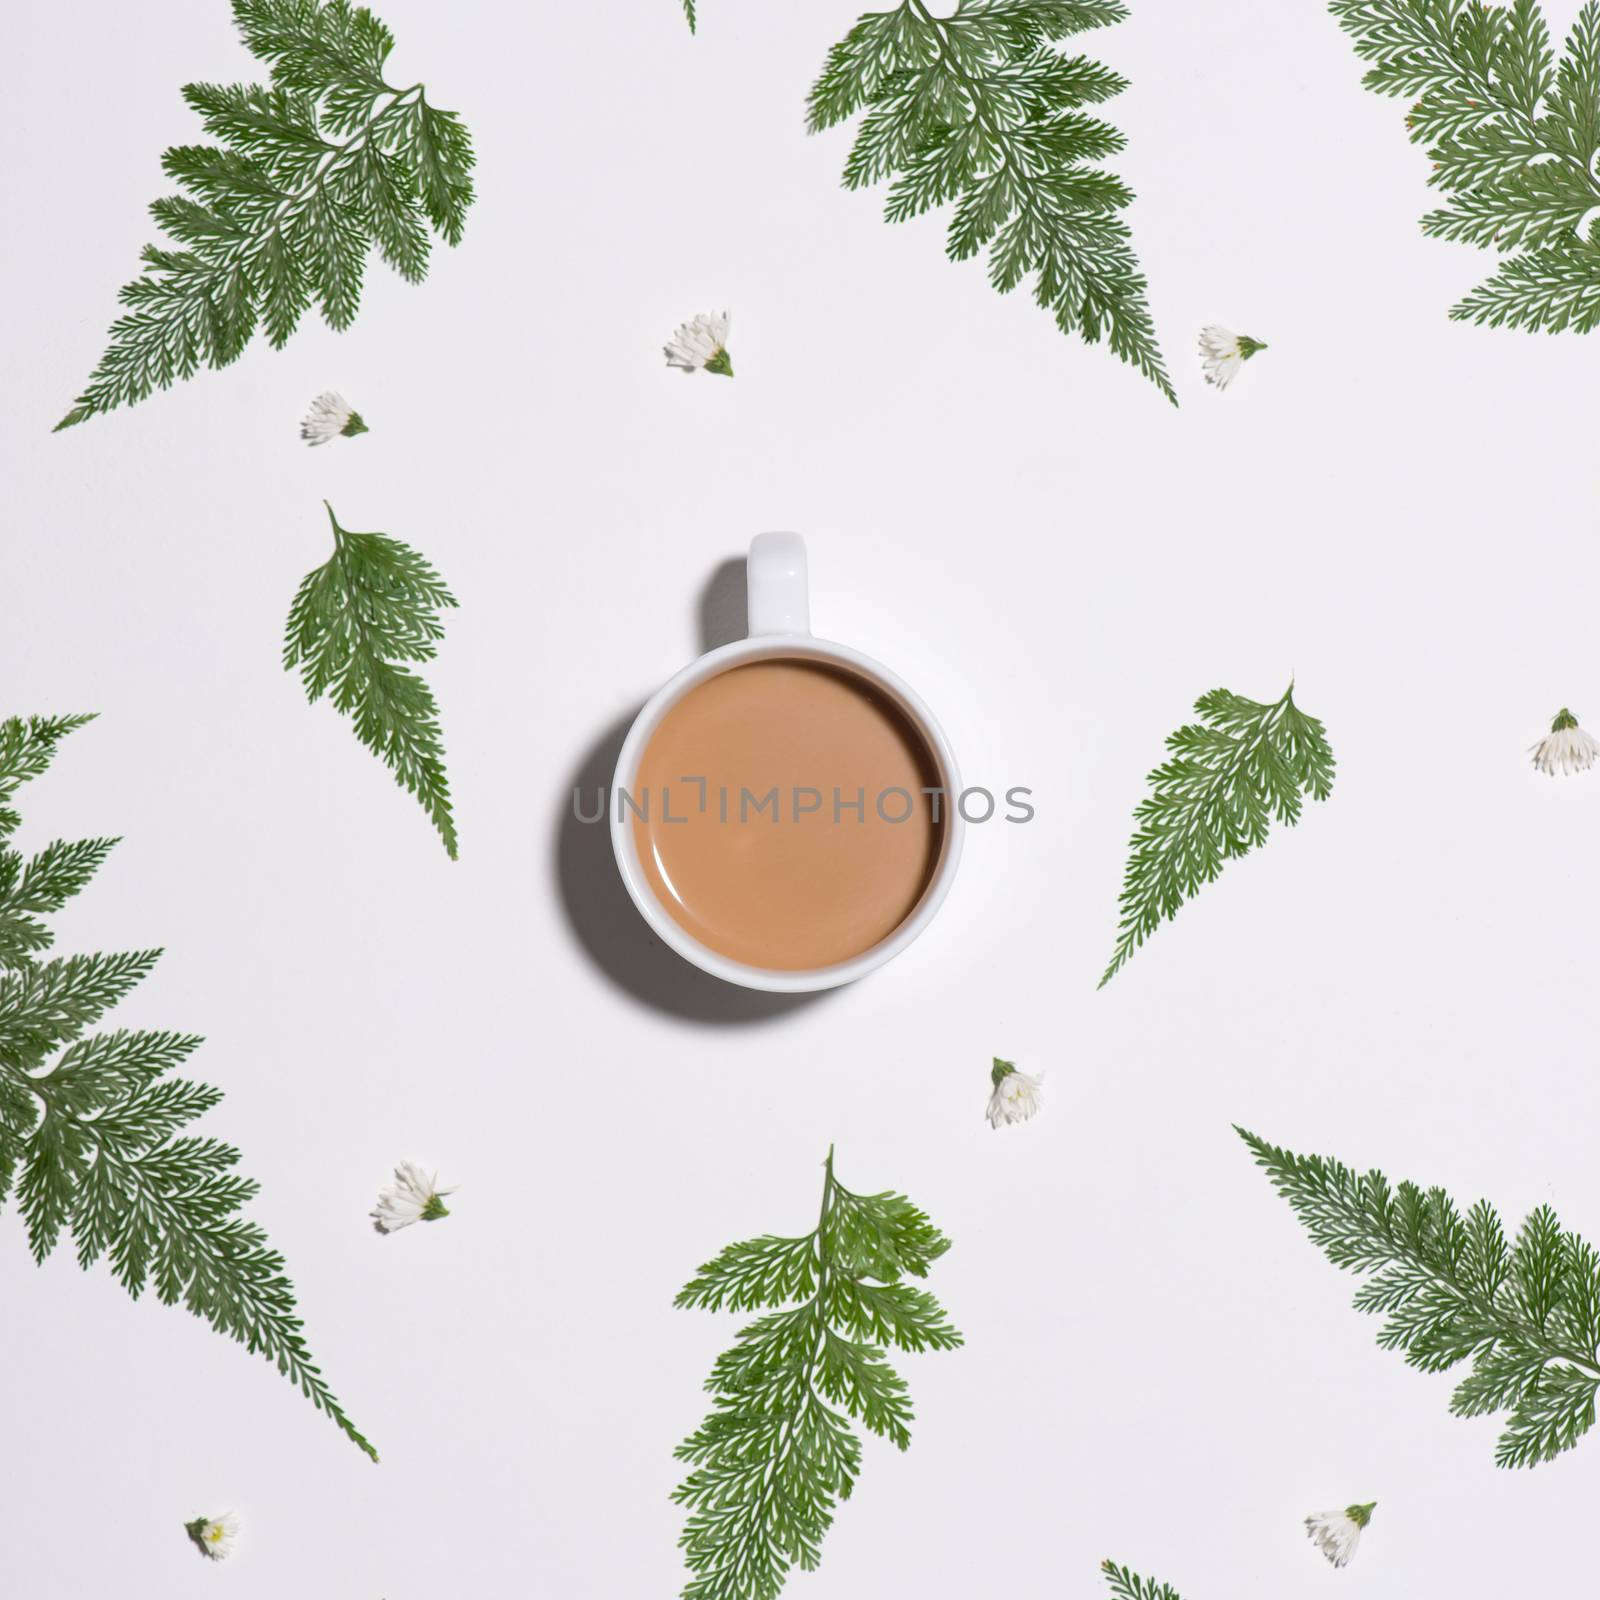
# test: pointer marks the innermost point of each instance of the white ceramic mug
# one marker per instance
(780, 629)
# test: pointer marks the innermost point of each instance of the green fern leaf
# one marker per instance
(778, 1453)
(688, 11)
(1525, 1315)
(1511, 135)
(307, 175)
(1128, 1585)
(1213, 802)
(89, 1142)
(373, 604)
(979, 108)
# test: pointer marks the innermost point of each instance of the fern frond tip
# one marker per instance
(90, 1122)
(309, 173)
(976, 110)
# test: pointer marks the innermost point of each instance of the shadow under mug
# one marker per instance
(780, 630)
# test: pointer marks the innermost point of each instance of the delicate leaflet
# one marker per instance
(1126, 1585)
(1214, 801)
(1511, 135)
(89, 1122)
(373, 604)
(979, 108)
(1524, 1314)
(778, 1453)
(309, 173)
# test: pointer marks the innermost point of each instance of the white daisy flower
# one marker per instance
(702, 344)
(1337, 1533)
(216, 1536)
(1223, 352)
(1016, 1096)
(1566, 748)
(329, 417)
(415, 1198)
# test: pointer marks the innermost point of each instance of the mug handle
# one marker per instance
(775, 580)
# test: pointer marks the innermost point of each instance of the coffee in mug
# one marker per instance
(784, 811)
(786, 814)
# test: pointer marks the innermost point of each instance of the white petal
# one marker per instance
(1567, 750)
(1016, 1098)
(405, 1203)
(218, 1535)
(326, 419)
(698, 341)
(1335, 1534)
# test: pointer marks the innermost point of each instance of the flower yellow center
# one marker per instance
(214, 1534)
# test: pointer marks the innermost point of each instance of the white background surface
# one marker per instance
(1160, 1366)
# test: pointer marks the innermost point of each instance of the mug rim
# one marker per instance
(777, 980)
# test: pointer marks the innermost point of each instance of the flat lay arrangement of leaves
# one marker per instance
(983, 113)
(978, 108)
(90, 1139)
(777, 1453)
(307, 175)
(1511, 134)
(374, 604)
(1228, 777)
(1525, 1314)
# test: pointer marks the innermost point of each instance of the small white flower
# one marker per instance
(1016, 1096)
(702, 344)
(1566, 748)
(1223, 352)
(1337, 1533)
(415, 1198)
(216, 1536)
(330, 415)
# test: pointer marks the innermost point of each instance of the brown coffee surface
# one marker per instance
(767, 886)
